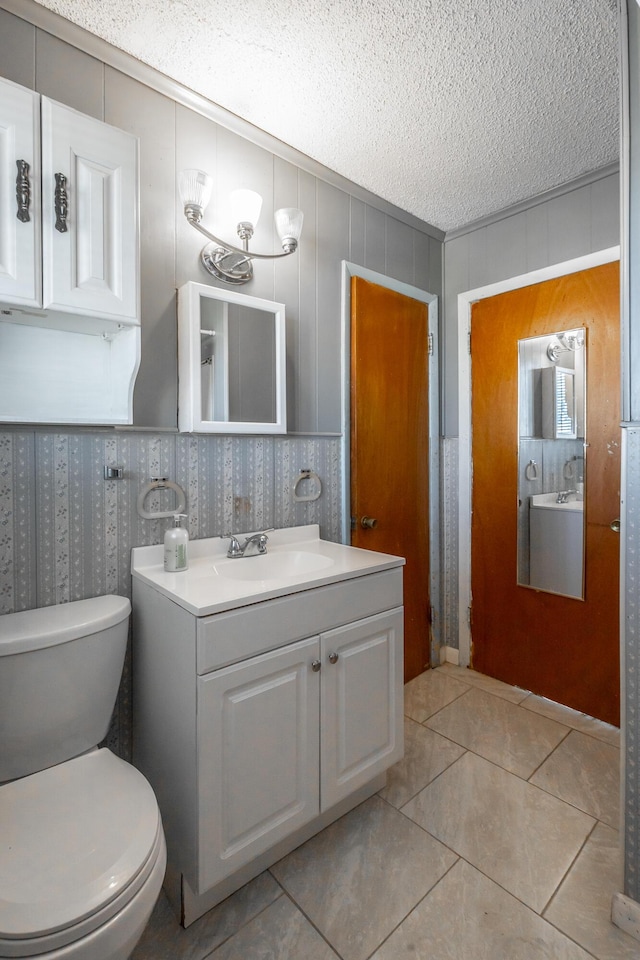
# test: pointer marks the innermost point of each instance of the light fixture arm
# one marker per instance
(194, 220)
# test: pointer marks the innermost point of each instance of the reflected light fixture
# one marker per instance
(225, 261)
(567, 342)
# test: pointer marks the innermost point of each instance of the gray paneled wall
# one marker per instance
(338, 225)
(581, 221)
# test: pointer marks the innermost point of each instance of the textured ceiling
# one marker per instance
(450, 109)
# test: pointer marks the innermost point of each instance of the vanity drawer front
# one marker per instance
(226, 638)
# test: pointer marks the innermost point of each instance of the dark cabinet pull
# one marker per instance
(23, 191)
(61, 203)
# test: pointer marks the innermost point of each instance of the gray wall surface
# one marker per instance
(338, 225)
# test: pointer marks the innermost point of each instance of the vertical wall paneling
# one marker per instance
(17, 50)
(375, 240)
(286, 193)
(141, 111)
(357, 231)
(537, 232)
(305, 382)
(196, 148)
(58, 67)
(400, 251)
(333, 235)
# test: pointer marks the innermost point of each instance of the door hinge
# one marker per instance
(469, 341)
(469, 617)
(430, 343)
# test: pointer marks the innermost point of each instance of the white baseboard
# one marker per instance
(625, 913)
(449, 655)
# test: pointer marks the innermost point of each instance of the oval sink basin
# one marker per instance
(273, 566)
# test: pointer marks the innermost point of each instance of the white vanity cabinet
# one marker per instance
(285, 736)
(260, 724)
(69, 232)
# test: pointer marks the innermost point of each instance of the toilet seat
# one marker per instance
(77, 843)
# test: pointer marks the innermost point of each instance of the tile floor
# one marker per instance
(494, 839)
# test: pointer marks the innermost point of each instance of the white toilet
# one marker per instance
(82, 851)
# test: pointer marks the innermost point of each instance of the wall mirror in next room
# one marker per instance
(231, 362)
(552, 373)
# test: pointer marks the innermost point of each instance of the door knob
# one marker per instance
(368, 523)
(333, 658)
(615, 525)
(316, 666)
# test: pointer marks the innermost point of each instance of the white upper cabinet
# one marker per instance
(69, 264)
(89, 215)
(20, 234)
(78, 250)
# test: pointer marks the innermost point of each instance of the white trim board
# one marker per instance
(465, 466)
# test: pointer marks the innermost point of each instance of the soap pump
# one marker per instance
(175, 545)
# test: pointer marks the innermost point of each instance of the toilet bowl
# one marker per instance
(82, 851)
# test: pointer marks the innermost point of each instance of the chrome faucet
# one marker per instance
(563, 496)
(237, 550)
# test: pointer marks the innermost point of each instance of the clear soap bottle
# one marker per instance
(176, 541)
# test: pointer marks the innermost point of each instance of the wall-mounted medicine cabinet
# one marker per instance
(69, 264)
(231, 362)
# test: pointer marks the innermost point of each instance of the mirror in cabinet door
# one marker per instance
(232, 355)
(69, 264)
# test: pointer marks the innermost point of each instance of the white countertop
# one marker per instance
(549, 501)
(213, 583)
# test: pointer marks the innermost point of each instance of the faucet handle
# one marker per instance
(235, 550)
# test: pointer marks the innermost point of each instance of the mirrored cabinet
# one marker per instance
(69, 263)
(231, 362)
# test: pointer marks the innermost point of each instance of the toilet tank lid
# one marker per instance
(47, 626)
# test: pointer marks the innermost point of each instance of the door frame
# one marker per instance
(465, 466)
(350, 270)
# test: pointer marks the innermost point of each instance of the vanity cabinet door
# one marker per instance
(89, 215)
(361, 711)
(20, 269)
(258, 756)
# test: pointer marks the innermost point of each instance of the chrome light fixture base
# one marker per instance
(226, 265)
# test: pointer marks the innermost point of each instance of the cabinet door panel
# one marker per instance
(91, 266)
(361, 703)
(20, 258)
(258, 756)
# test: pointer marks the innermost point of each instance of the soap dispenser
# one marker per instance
(176, 540)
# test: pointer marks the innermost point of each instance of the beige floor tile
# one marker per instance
(497, 687)
(582, 906)
(165, 939)
(468, 917)
(359, 878)
(499, 730)
(426, 754)
(509, 829)
(572, 718)
(585, 772)
(430, 692)
(280, 933)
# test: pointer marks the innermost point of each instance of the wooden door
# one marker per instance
(361, 704)
(390, 445)
(561, 648)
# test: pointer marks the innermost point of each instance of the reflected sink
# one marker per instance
(273, 566)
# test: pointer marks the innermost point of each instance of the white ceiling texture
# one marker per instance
(450, 109)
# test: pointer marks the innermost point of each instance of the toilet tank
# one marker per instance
(60, 668)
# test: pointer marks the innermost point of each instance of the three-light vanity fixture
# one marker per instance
(223, 260)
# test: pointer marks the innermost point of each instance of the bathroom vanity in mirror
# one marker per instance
(268, 699)
(231, 362)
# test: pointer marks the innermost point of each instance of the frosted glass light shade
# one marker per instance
(289, 225)
(245, 206)
(195, 188)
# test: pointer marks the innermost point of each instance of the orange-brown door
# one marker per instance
(390, 445)
(561, 648)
